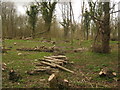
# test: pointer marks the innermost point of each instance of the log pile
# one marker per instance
(40, 49)
(51, 64)
(4, 50)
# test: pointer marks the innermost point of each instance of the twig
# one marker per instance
(115, 12)
(86, 78)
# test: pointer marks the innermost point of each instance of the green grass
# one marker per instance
(88, 62)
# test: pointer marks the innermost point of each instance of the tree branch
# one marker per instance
(96, 18)
(115, 12)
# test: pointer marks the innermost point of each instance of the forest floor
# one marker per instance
(87, 62)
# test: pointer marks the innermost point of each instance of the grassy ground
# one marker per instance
(87, 62)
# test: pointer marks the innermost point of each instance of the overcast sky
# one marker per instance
(21, 8)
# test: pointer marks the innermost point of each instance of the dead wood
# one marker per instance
(57, 61)
(39, 49)
(5, 50)
(52, 58)
(63, 68)
(53, 61)
(59, 57)
(42, 69)
(56, 82)
(58, 66)
(4, 67)
(49, 64)
(107, 73)
(51, 77)
(38, 64)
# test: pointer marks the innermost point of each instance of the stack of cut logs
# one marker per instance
(40, 49)
(3, 49)
(51, 64)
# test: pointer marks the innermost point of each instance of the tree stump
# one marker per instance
(13, 76)
(56, 82)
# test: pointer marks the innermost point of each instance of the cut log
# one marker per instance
(114, 73)
(36, 49)
(5, 50)
(51, 58)
(42, 69)
(49, 64)
(60, 57)
(107, 73)
(38, 64)
(63, 68)
(101, 73)
(58, 66)
(4, 67)
(19, 54)
(15, 43)
(53, 61)
(51, 77)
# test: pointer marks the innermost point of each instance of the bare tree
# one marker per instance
(8, 16)
(73, 25)
(65, 18)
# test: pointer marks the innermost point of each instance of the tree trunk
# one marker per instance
(33, 32)
(47, 28)
(87, 33)
(65, 32)
(106, 29)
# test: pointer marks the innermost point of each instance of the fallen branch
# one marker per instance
(56, 65)
(115, 12)
(51, 77)
(60, 57)
(63, 68)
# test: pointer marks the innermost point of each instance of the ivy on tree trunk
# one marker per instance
(32, 13)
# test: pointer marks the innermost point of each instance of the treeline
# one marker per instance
(16, 26)
(98, 22)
